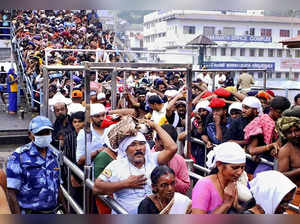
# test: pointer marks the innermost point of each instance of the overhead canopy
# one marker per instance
(201, 40)
(292, 42)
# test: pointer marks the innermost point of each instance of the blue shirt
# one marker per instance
(36, 178)
(212, 131)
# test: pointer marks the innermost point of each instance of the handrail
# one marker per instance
(110, 202)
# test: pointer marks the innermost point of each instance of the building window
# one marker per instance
(213, 51)
(242, 52)
(232, 52)
(261, 52)
(279, 53)
(287, 75)
(252, 52)
(208, 30)
(296, 75)
(288, 53)
(297, 53)
(189, 30)
(270, 52)
(260, 75)
(269, 75)
(284, 33)
(298, 33)
(266, 32)
(229, 31)
(252, 31)
(278, 75)
(223, 51)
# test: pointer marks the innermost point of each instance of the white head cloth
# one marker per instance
(228, 152)
(235, 105)
(106, 139)
(269, 188)
(204, 105)
(253, 102)
(127, 141)
(97, 108)
(171, 93)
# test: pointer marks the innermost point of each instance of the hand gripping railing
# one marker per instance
(110, 202)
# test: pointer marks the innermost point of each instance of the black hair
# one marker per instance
(296, 97)
(171, 131)
(78, 115)
(214, 171)
(160, 171)
(155, 99)
(280, 102)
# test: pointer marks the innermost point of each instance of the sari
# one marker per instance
(180, 204)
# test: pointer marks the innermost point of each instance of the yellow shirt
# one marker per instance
(13, 86)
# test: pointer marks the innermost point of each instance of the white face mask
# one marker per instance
(43, 141)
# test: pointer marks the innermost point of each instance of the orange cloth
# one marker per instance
(102, 208)
(296, 201)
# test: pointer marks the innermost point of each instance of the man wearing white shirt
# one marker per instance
(128, 177)
(219, 80)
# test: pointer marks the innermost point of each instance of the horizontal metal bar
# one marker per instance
(198, 141)
(35, 91)
(294, 207)
(138, 69)
(201, 168)
(113, 204)
(73, 203)
(194, 175)
(137, 65)
(262, 160)
(64, 68)
(36, 101)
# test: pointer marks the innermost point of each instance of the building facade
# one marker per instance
(244, 39)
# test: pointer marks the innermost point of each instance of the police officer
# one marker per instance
(33, 179)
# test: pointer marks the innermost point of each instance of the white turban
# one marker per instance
(204, 105)
(171, 93)
(100, 96)
(127, 141)
(269, 188)
(106, 138)
(253, 102)
(235, 105)
(97, 108)
(228, 152)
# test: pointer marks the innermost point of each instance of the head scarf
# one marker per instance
(228, 152)
(284, 123)
(106, 138)
(235, 105)
(127, 141)
(217, 103)
(204, 105)
(269, 188)
(253, 102)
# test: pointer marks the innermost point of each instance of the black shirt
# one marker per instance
(236, 129)
(147, 207)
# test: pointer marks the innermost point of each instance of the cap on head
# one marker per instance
(101, 96)
(97, 108)
(39, 123)
(76, 94)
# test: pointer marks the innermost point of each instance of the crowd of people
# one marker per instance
(137, 149)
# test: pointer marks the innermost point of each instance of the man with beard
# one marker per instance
(176, 110)
(62, 123)
(128, 177)
(289, 155)
(97, 117)
(251, 107)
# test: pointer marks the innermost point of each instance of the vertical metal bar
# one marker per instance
(45, 103)
(71, 86)
(213, 81)
(265, 80)
(88, 139)
(114, 89)
(189, 110)
(69, 188)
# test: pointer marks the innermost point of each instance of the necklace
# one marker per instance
(221, 185)
(160, 203)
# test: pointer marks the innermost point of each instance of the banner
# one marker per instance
(239, 65)
(240, 38)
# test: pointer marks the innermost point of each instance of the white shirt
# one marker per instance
(218, 78)
(97, 143)
(207, 79)
(158, 115)
(121, 169)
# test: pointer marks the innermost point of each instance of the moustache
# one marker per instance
(139, 153)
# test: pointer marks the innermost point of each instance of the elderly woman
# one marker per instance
(272, 192)
(164, 199)
(217, 193)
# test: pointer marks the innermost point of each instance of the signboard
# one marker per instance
(290, 63)
(239, 65)
(245, 38)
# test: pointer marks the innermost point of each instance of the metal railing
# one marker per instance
(71, 167)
